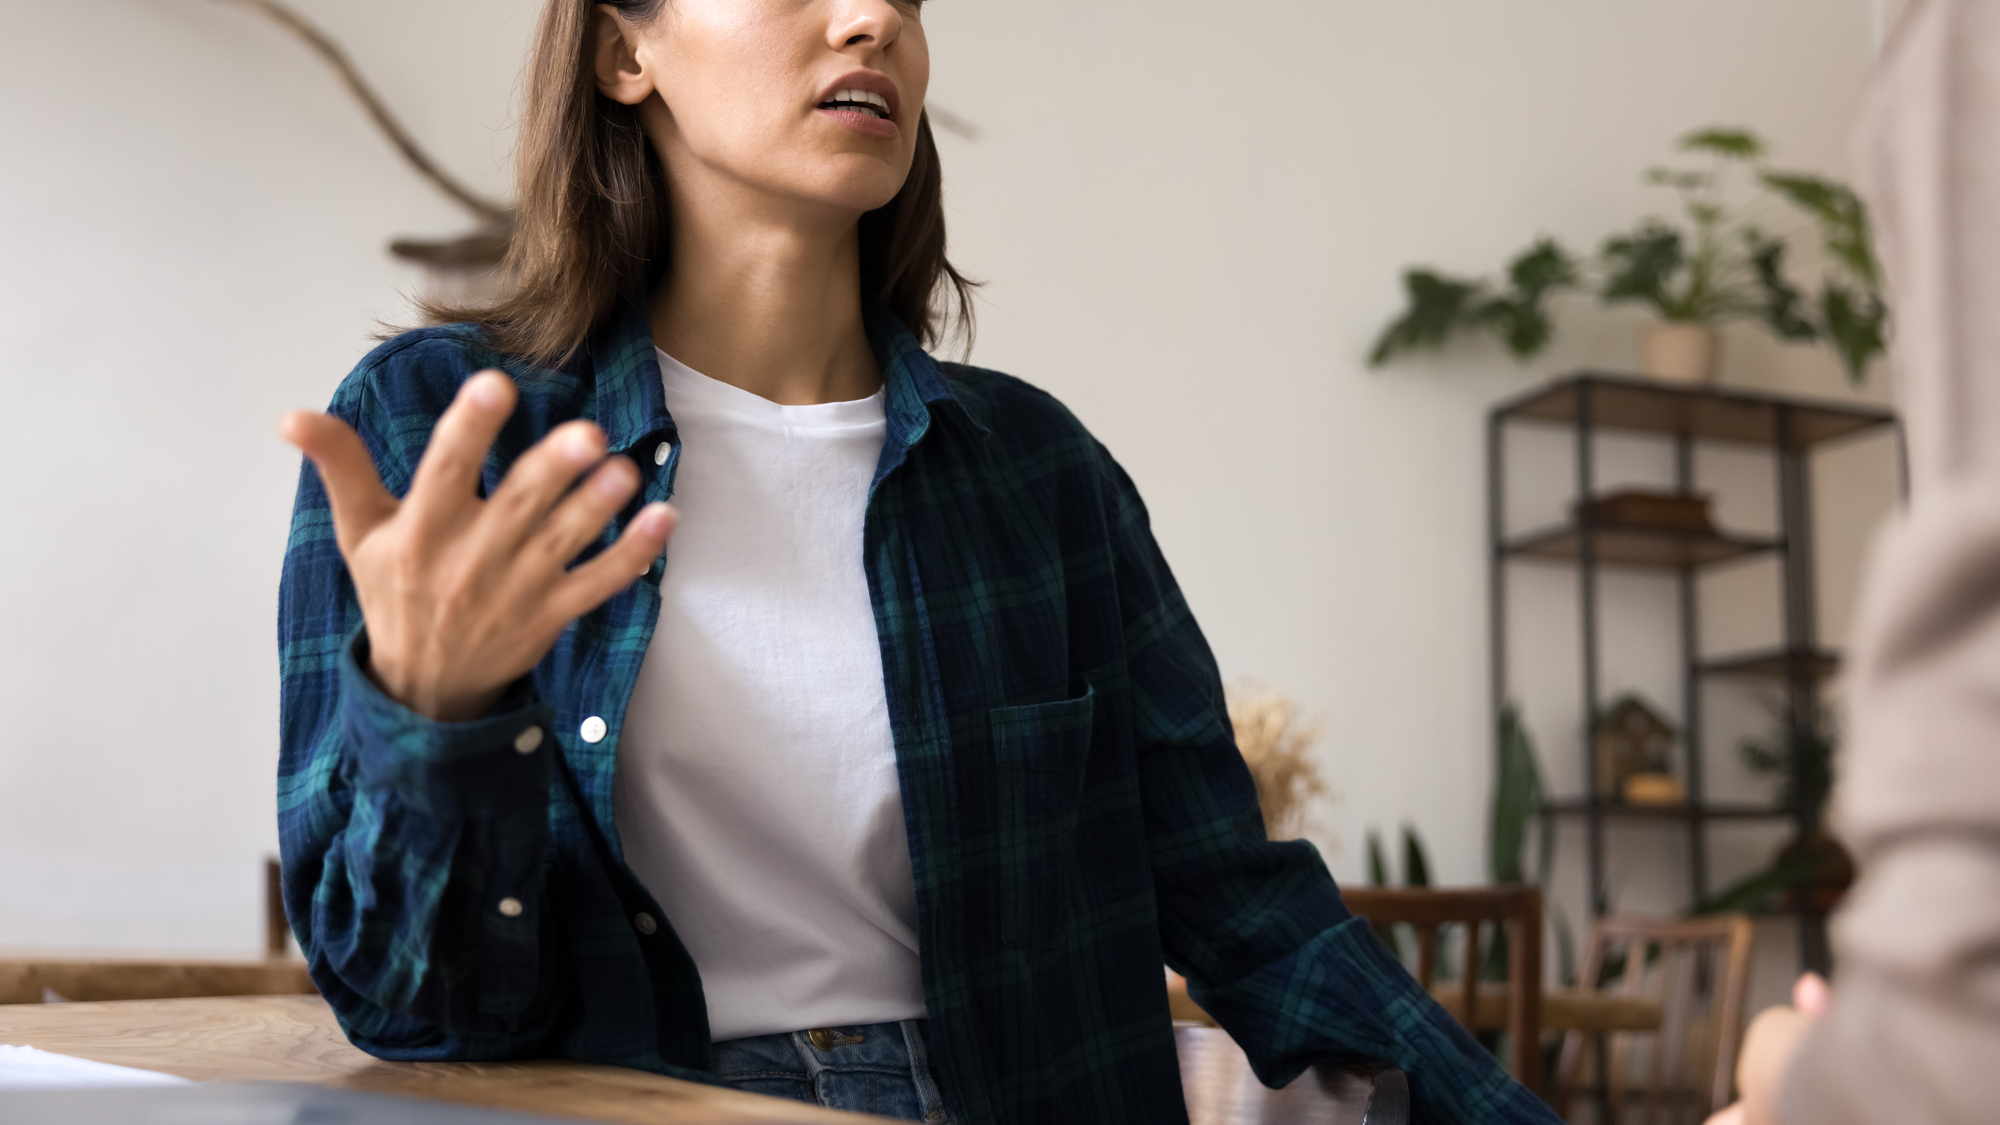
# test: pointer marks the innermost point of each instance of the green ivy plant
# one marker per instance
(1717, 266)
(1803, 761)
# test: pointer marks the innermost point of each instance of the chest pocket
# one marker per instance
(1041, 749)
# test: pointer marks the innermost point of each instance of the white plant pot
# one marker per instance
(1678, 351)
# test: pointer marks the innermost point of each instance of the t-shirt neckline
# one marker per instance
(688, 389)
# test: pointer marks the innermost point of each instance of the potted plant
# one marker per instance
(1717, 266)
(1812, 871)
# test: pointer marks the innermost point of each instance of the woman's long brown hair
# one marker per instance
(592, 222)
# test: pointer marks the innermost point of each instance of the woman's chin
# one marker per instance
(857, 182)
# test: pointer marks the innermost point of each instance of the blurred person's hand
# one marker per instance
(1768, 1050)
(463, 596)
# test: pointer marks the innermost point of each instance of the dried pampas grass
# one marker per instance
(1276, 742)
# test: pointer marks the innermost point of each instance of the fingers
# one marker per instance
(447, 478)
(593, 583)
(353, 488)
(1731, 1116)
(537, 481)
(1769, 1046)
(581, 516)
(1811, 995)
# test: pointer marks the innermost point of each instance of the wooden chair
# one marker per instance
(1517, 908)
(277, 931)
(33, 980)
(1221, 1088)
(1698, 971)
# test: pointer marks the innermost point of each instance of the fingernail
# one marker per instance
(611, 482)
(653, 521)
(580, 446)
(488, 391)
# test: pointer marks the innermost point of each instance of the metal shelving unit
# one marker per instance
(1590, 403)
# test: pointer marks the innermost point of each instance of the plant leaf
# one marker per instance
(1759, 758)
(1842, 218)
(1565, 945)
(1751, 891)
(1416, 866)
(1858, 323)
(1782, 299)
(1521, 316)
(1542, 269)
(1438, 307)
(1378, 875)
(1517, 799)
(1641, 265)
(1730, 144)
(1681, 180)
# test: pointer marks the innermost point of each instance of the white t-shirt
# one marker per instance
(757, 793)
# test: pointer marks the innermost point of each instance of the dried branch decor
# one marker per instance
(481, 249)
(1276, 742)
(487, 246)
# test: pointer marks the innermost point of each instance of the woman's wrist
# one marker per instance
(431, 703)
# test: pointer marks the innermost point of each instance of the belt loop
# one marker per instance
(920, 1073)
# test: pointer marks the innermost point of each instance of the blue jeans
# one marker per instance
(878, 1068)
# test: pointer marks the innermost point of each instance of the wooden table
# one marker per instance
(295, 1039)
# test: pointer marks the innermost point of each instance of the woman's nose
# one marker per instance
(877, 23)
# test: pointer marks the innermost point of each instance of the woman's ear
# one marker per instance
(620, 75)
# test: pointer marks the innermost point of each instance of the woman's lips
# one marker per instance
(865, 123)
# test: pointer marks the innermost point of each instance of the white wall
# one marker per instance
(1191, 218)
(192, 223)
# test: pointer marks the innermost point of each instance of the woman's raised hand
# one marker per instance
(463, 596)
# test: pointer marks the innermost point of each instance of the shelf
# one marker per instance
(1820, 664)
(1733, 810)
(1620, 402)
(1647, 547)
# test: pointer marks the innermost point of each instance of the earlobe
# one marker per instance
(621, 76)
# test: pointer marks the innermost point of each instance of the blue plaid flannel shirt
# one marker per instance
(1076, 808)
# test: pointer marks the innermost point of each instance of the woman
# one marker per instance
(892, 785)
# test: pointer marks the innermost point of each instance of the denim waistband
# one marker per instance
(878, 1068)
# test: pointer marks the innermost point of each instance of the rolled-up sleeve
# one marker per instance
(1256, 925)
(415, 852)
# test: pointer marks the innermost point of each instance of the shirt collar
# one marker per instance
(632, 405)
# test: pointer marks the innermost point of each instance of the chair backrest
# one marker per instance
(1222, 1089)
(1518, 908)
(1698, 970)
(277, 932)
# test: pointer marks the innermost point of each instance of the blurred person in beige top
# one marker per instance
(1911, 1032)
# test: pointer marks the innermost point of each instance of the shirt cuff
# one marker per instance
(450, 771)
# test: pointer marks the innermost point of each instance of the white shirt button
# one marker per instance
(644, 924)
(528, 741)
(662, 451)
(511, 907)
(594, 730)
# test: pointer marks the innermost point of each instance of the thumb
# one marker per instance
(1811, 995)
(353, 488)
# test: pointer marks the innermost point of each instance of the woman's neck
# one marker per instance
(768, 303)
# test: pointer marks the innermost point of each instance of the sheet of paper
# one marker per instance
(27, 1068)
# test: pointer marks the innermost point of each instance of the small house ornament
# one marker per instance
(1633, 742)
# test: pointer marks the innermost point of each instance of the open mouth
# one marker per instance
(859, 101)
